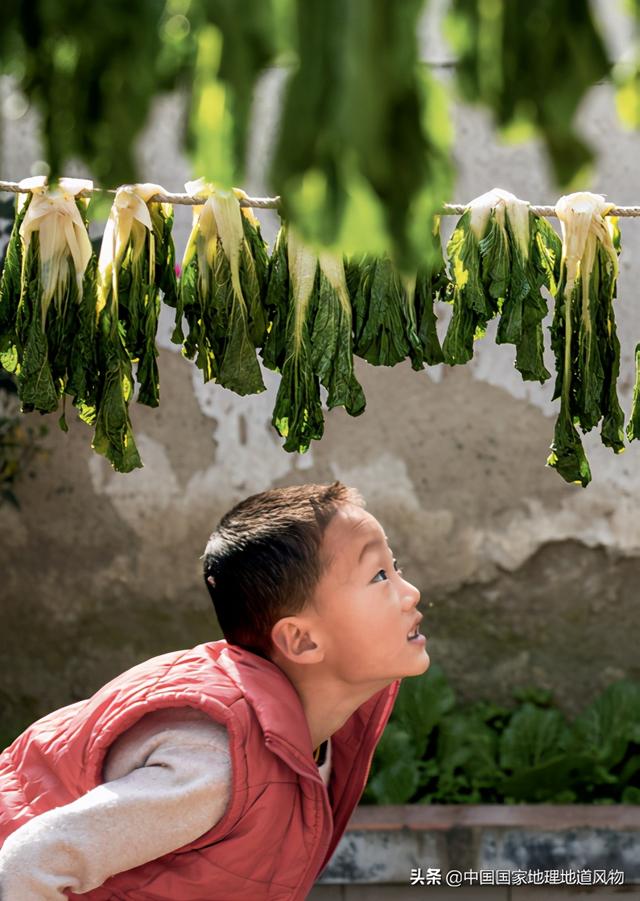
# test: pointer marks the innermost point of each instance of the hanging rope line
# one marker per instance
(266, 203)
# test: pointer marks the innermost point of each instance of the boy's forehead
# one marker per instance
(350, 528)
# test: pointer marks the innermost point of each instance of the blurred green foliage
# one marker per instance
(435, 750)
(362, 151)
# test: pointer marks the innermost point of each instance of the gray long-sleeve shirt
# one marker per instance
(166, 782)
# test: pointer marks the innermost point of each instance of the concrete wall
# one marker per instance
(524, 579)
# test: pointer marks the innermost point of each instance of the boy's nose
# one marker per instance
(412, 596)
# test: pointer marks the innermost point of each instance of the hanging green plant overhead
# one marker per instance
(501, 256)
(136, 263)
(531, 64)
(223, 278)
(583, 334)
(362, 126)
(362, 146)
(308, 312)
(310, 340)
(47, 299)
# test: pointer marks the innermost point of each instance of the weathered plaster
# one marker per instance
(523, 577)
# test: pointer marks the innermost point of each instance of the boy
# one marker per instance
(228, 770)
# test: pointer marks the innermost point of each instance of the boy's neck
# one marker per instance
(327, 703)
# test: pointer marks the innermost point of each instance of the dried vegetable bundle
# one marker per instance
(501, 255)
(309, 340)
(47, 299)
(633, 426)
(223, 278)
(136, 262)
(71, 325)
(393, 314)
(583, 333)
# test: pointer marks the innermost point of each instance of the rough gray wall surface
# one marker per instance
(524, 579)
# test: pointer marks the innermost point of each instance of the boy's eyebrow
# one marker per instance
(375, 542)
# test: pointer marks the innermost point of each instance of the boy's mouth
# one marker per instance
(415, 632)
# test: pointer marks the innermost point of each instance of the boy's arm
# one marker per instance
(177, 791)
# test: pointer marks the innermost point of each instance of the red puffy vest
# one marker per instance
(282, 823)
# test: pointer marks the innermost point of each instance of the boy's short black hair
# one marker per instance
(263, 561)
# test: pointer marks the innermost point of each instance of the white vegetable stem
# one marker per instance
(62, 233)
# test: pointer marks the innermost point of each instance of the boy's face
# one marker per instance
(364, 610)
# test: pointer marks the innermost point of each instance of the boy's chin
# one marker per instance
(420, 666)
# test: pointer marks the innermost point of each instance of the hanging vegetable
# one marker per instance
(362, 123)
(136, 261)
(534, 262)
(310, 340)
(223, 275)
(583, 333)
(432, 285)
(501, 255)
(633, 426)
(47, 299)
(473, 302)
(514, 57)
(393, 315)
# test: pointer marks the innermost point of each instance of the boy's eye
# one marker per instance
(384, 572)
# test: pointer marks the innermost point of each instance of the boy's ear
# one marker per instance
(293, 640)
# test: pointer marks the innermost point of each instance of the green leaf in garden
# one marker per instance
(515, 57)
(396, 776)
(533, 736)
(421, 704)
(605, 730)
(467, 746)
(354, 115)
(534, 747)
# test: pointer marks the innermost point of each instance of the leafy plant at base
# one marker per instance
(435, 750)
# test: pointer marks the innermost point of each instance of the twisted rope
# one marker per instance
(266, 203)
